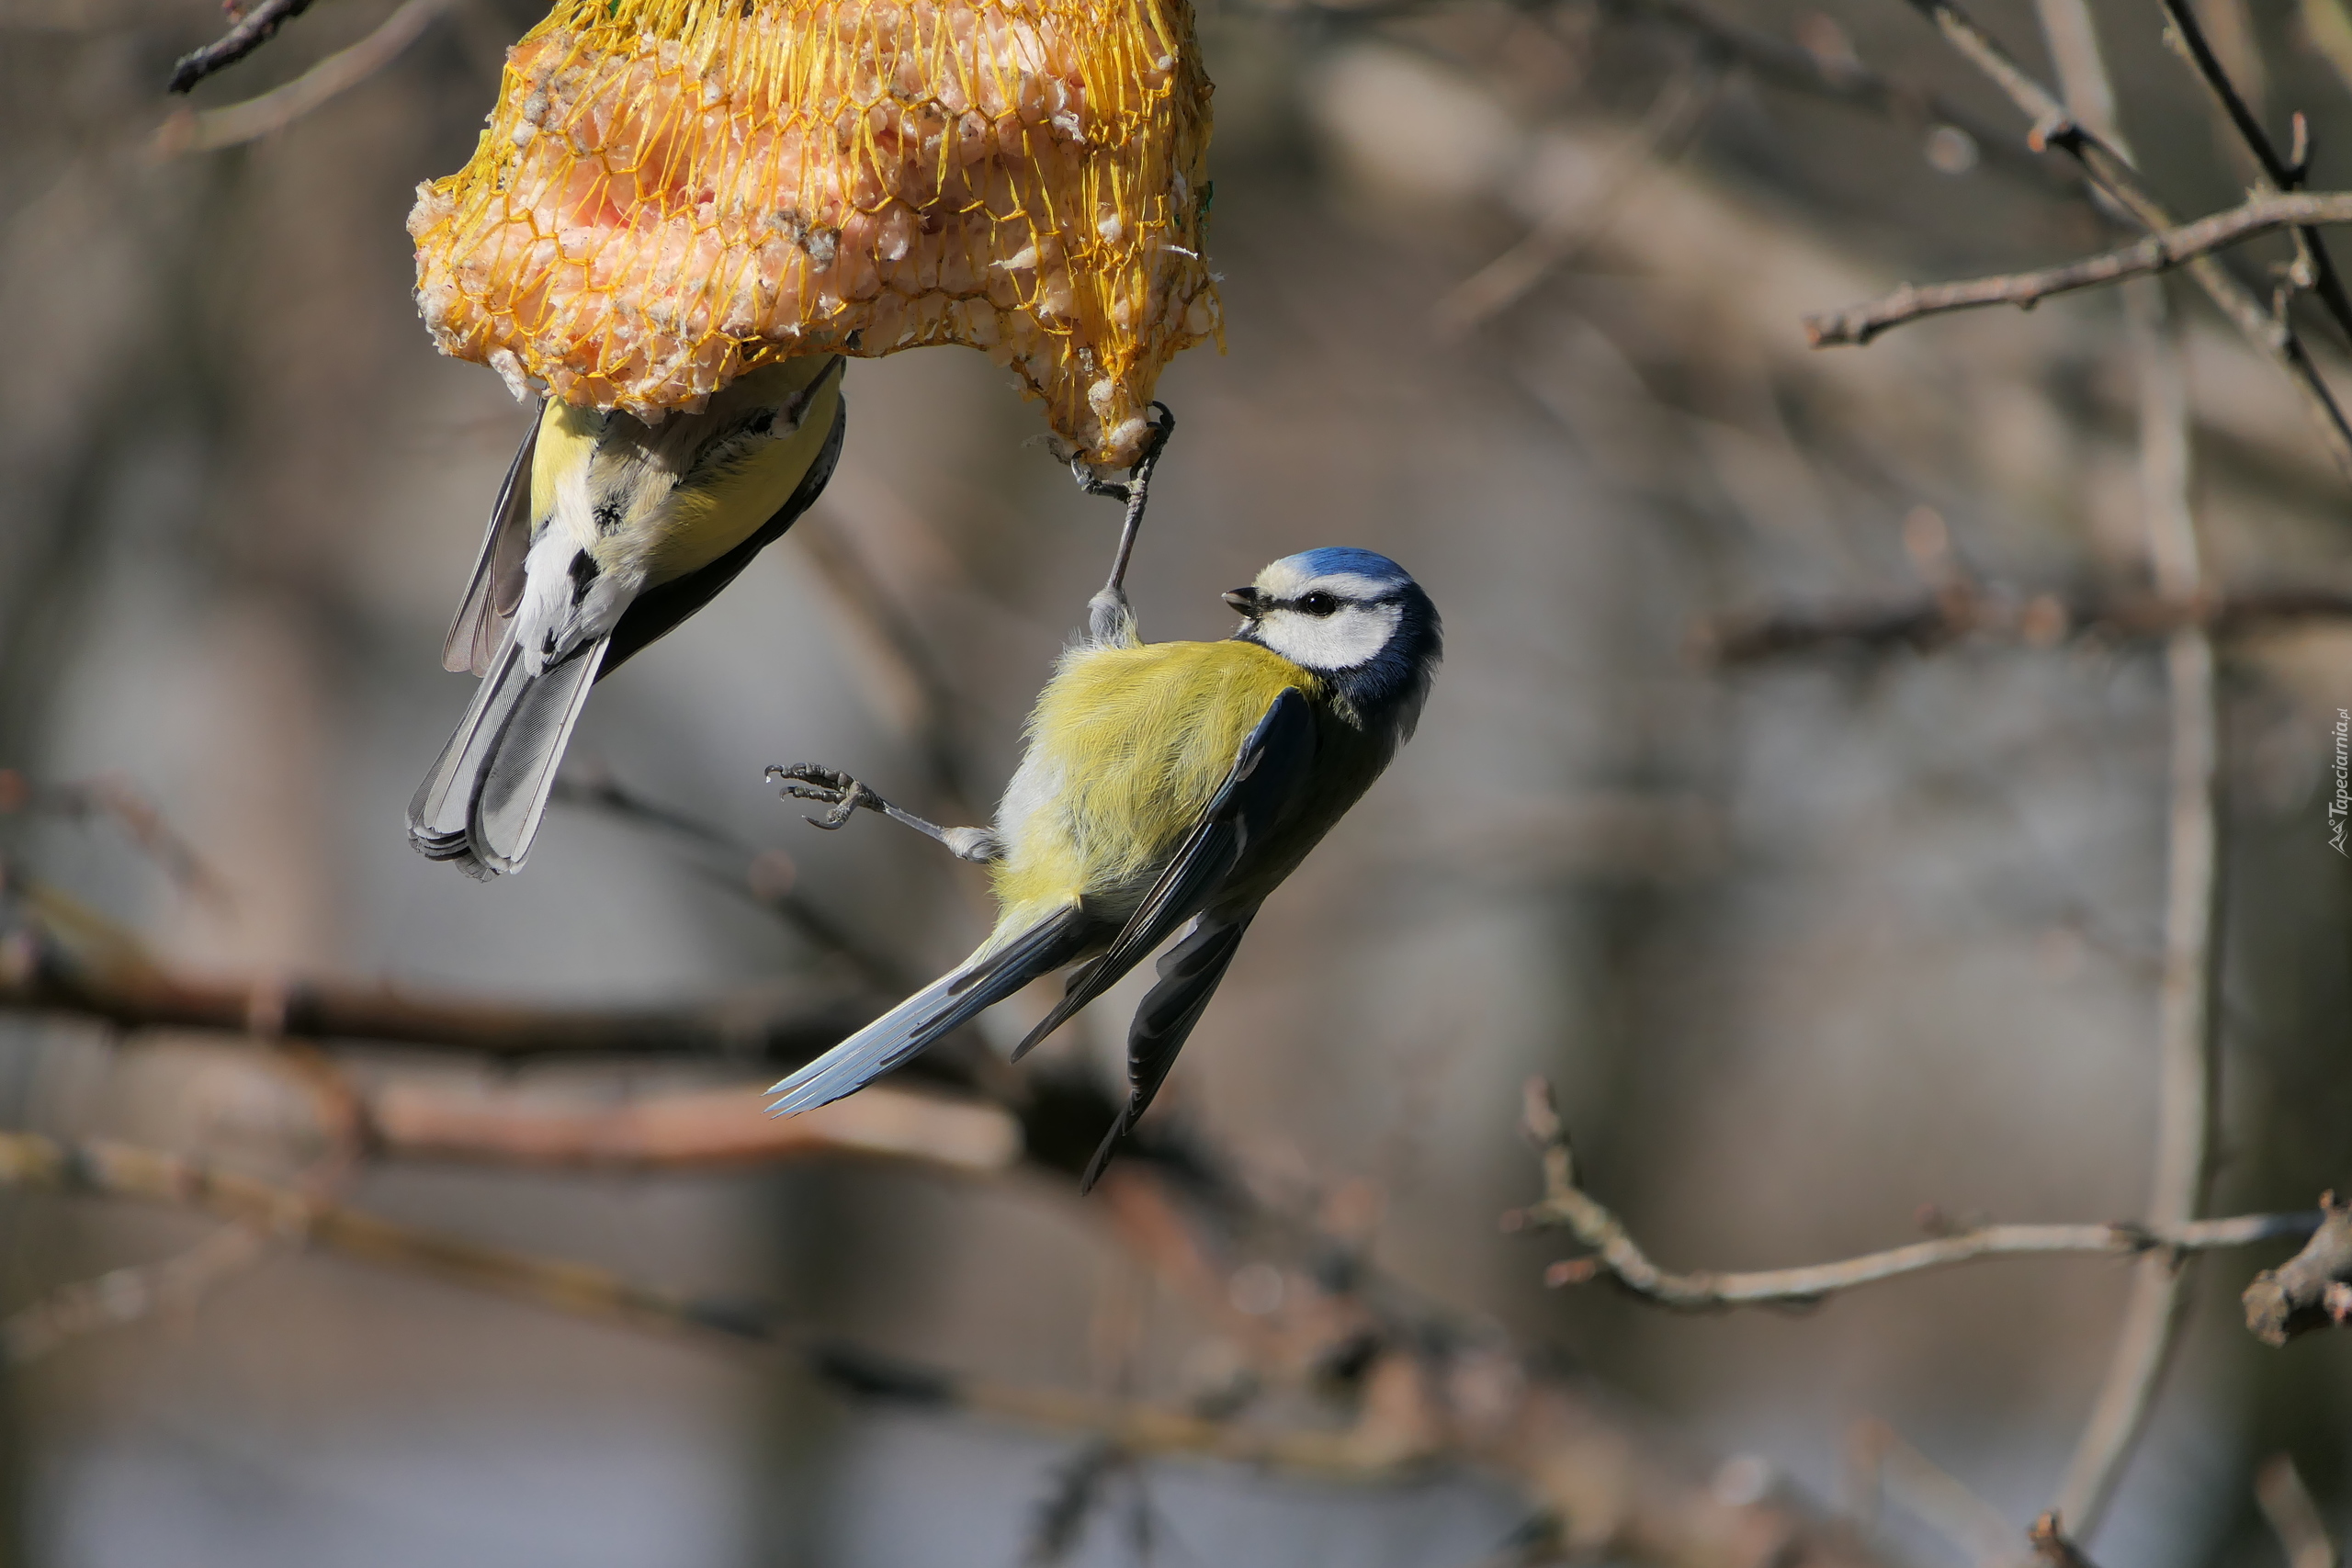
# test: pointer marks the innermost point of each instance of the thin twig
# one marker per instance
(2159, 252)
(2052, 126)
(2277, 174)
(1616, 1255)
(207, 131)
(254, 28)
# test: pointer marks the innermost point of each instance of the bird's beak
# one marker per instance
(1244, 600)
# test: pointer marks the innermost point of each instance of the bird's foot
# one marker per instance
(844, 794)
(828, 786)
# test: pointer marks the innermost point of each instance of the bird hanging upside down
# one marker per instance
(608, 534)
(1163, 783)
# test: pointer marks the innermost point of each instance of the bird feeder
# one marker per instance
(672, 192)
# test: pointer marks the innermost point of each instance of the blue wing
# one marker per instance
(1268, 773)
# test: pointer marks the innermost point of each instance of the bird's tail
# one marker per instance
(994, 973)
(480, 805)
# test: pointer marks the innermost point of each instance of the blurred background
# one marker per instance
(1811, 937)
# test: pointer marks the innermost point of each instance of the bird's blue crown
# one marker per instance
(1333, 558)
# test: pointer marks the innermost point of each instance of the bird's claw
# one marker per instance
(829, 786)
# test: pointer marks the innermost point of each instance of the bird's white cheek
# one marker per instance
(1342, 641)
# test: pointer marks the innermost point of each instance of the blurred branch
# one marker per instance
(122, 1296)
(1674, 118)
(1963, 610)
(2160, 252)
(2328, 25)
(207, 131)
(693, 1129)
(1933, 1495)
(1617, 1256)
(113, 797)
(1791, 67)
(118, 1170)
(2294, 1518)
(2052, 126)
(899, 639)
(767, 879)
(38, 977)
(2187, 1022)
(2311, 1290)
(252, 29)
(1582, 1464)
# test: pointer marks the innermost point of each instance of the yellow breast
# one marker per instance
(648, 495)
(1127, 748)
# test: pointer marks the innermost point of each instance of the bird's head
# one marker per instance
(1356, 618)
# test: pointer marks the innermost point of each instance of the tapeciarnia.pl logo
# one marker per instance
(2339, 809)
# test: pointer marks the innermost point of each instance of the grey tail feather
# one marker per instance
(939, 1008)
(481, 804)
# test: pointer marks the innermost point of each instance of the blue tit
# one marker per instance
(1163, 783)
(607, 533)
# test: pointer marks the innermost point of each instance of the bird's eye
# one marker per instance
(1318, 603)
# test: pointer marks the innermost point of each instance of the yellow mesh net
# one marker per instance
(671, 192)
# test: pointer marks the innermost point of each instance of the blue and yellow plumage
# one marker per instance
(1162, 784)
(608, 534)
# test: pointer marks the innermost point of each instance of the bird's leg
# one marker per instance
(1109, 617)
(844, 794)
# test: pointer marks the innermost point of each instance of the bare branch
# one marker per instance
(2054, 127)
(690, 1130)
(2277, 175)
(1615, 1255)
(254, 28)
(2160, 252)
(210, 130)
(2313, 1290)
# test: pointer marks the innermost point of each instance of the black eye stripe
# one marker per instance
(1337, 603)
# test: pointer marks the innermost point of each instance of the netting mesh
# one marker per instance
(671, 192)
